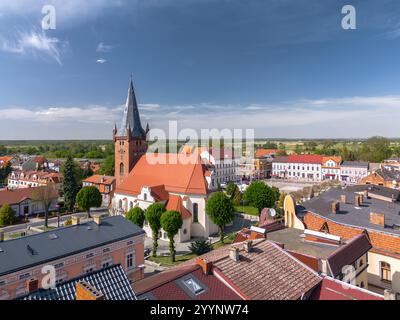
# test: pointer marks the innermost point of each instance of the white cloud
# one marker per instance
(322, 118)
(102, 47)
(33, 42)
(101, 61)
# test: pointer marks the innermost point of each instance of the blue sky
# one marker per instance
(284, 68)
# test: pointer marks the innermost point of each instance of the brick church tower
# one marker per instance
(130, 140)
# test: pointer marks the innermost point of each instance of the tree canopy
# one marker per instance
(171, 222)
(88, 197)
(7, 215)
(260, 195)
(136, 215)
(70, 183)
(220, 210)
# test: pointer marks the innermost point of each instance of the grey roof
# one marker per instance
(17, 254)
(355, 164)
(351, 215)
(131, 117)
(111, 281)
(389, 175)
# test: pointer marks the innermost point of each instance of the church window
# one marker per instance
(195, 212)
(121, 169)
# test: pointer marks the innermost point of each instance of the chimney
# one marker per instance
(85, 291)
(75, 220)
(97, 219)
(248, 246)
(389, 295)
(234, 254)
(1, 236)
(335, 207)
(32, 285)
(366, 194)
(357, 200)
(343, 198)
(377, 218)
(205, 265)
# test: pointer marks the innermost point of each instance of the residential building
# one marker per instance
(35, 163)
(351, 172)
(387, 176)
(346, 213)
(109, 283)
(4, 160)
(29, 179)
(180, 181)
(251, 270)
(105, 184)
(73, 251)
(21, 201)
(307, 167)
(265, 153)
(391, 164)
(331, 168)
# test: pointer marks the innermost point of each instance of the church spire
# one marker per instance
(131, 117)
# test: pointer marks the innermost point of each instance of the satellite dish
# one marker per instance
(272, 212)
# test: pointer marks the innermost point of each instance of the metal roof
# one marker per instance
(17, 254)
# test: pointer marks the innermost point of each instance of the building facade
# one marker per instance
(31, 179)
(105, 184)
(298, 167)
(351, 172)
(331, 168)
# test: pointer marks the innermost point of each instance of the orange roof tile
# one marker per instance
(261, 153)
(181, 173)
(175, 204)
(100, 179)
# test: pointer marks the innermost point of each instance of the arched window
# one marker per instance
(361, 263)
(120, 204)
(145, 197)
(195, 212)
(362, 285)
(121, 169)
(130, 205)
(385, 272)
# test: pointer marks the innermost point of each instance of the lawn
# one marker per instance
(247, 210)
(166, 260)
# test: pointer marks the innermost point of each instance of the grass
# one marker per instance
(247, 210)
(47, 229)
(166, 260)
(14, 235)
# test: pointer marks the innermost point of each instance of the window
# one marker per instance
(145, 196)
(362, 284)
(385, 272)
(105, 265)
(130, 205)
(195, 212)
(129, 261)
(193, 286)
(121, 169)
(361, 263)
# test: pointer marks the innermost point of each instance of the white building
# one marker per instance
(181, 182)
(331, 168)
(298, 167)
(351, 172)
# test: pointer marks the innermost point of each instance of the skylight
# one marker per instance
(193, 286)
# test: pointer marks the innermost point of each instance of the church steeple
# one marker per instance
(131, 117)
(130, 140)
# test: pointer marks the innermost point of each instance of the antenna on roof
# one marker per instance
(30, 249)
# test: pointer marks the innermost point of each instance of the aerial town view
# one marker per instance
(227, 151)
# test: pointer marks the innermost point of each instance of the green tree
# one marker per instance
(4, 172)
(237, 197)
(231, 188)
(45, 195)
(136, 215)
(7, 215)
(153, 217)
(88, 197)
(200, 247)
(376, 149)
(220, 210)
(171, 222)
(70, 183)
(107, 166)
(260, 196)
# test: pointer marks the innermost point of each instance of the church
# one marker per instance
(182, 185)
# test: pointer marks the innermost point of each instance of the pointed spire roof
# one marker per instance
(131, 118)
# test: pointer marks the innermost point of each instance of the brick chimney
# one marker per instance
(343, 198)
(205, 265)
(75, 220)
(248, 246)
(85, 291)
(335, 207)
(389, 295)
(366, 194)
(32, 285)
(97, 219)
(357, 200)
(234, 254)
(377, 218)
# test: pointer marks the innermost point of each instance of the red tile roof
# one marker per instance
(332, 289)
(100, 179)
(15, 196)
(181, 173)
(261, 153)
(175, 204)
(305, 158)
(5, 159)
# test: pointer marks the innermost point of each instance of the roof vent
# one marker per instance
(31, 250)
(234, 254)
(53, 236)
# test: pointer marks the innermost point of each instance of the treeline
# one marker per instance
(89, 150)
